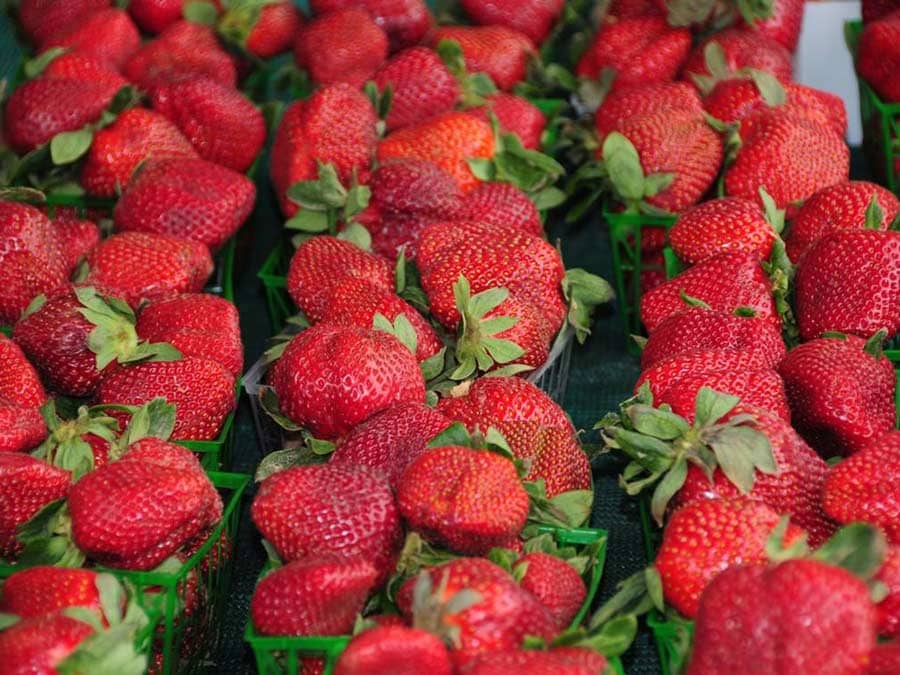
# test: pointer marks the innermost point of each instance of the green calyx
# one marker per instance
(584, 292)
(874, 346)
(475, 87)
(236, 24)
(781, 272)
(325, 202)
(626, 177)
(874, 214)
(774, 215)
(47, 538)
(415, 555)
(689, 12)
(67, 147)
(662, 445)
(435, 614)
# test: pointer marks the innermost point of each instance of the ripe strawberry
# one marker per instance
(742, 49)
(40, 644)
(21, 395)
(843, 206)
(447, 140)
(44, 19)
(294, 507)
(706, 537)
(727, 224)
(790, 156)
(75, 238)
(758, 388)
(878, 58)
(698, 329)
(557, 661)
(554, 582)
(405, 21)
(889, 608)
(336, 125)
(397, 650)
(154, 16)
(82, 68)
(502, 204)
(515, 115)
(534, 18)
(199, 325)
(850, 282)
(421, 86)
(622, 103)
(725, 283)
(141, 266)
(343, 46)
(629, 9)
(783, 25)
(884, 659)
(263, 31)
(317, 595)
(664, 373)
(802, 616)
(389, 440)
(182, 50)
(136, 136)
(192, 199)
(872, 10)
(28, 485)
(120, 40)
(841, 392)
(331, 378)
(468, 500)
(638, 51)
(864, 487)
(46, 590)
(500, 52)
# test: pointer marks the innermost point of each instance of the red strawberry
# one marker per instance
(872, 10)
(884, 659)
(758, 388)
(336, 125)
(317, 595)
(46, 590)
(44, 19)
(75, 238)
(40, 644)
(120, 37)
(500, 52)
(140, 266)
(394, 650)
(725, 283)
(622, 103)
(199, 325)
(841, 392)
(320, 264)
(638, 51)
(192, 199)
(784, 23)
(878, 58)
(28, 484)
(850, 282)
(154, 16)
(405, 21)
(331, 378)
(802, 616)
(264, 31)
(421, 86)
(864, 487)
(889, 608)
(534, 18)
(742, 49)
(136, 136)
(557, 661)
(468, 500)
(294, 507)
(698, 329)
(502, 204)
(83, 68)
(343, 46)
(554, 582)
(843, 206)
(706, 537)
(389, 440)
(21, 394)
(662, 374)
(629, 9)
(516, 115)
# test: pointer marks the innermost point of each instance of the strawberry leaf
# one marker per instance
(69, 146)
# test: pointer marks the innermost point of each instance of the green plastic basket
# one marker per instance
(881, 124)
(284, 655)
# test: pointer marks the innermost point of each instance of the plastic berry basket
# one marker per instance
(281, 655)
(881, 124)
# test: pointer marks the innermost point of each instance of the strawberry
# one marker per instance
(725, 283)
(850, 282)
(468, 500)
(790, 156)
(557, 661)
(889, 608)
(872, 10)
(320, 264)
(343, 46)
(263, 31)
(42, 643)
(182, 50)
(727, 224)
(389, 440)
(637, 51)
(706, 537)
(878, 58)
(192, 199)
(841, 392)
(120, 37)
(80, 67)
(700, 329)
(336, 125)
(664, 373)
(75, 238)
(448, 140)
(844, 206)
(783, 25)
(293, 508)
(884, 659)
(28, 485)
(141, 266)
(405, 21)
(137, 135)
(554, 582)
(802, 616)
(741, 49)
(45, 590)
(154, 16)
(864, 487)
(32, 262)
(629, 9)
(534, 18)
(421, 86)
(759, 388)
(21, 394)
(317, 595)
(394, 650)
(623, 103)
(502, 204)
(331, 378)
(45, 19)
(515, 115)
(500, 52)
